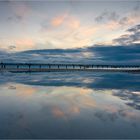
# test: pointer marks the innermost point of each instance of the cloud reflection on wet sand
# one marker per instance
(41, 111)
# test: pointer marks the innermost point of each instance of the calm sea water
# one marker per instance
(69, 105)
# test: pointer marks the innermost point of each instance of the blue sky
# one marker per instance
(31, 25)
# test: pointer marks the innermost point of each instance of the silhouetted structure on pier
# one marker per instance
(38, 67)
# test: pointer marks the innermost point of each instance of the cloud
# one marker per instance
(129, 20)
(68, 32)
(134, 29)
(93, 54)
(132, 99)
(24, 42)
(12, 47)
(58, 20)
(15, 18)
(64, 20)
(19, 11)
(106, 15)
(124, 21)
(57, 112)
(73, 22)
(115, 21)
(131, 37)
(88, 54)
(20, 44)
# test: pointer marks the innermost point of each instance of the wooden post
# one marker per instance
(1, 65)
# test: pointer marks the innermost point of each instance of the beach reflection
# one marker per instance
(29, 111)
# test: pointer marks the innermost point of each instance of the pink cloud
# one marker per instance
(24, 42)
(65, 20)
(58, 20)
(73, 22)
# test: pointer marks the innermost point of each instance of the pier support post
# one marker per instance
(29, 65)
(1, 65)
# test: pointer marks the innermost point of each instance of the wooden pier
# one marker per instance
(38, 67)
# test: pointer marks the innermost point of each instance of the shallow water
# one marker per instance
(69, 105)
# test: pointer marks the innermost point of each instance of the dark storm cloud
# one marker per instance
(132, 36)
(116, 54)
(93, 54)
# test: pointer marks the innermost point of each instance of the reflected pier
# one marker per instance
(38, 67)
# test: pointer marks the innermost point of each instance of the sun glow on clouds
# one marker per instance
(57, 21)
(24, 42)
(68, 32)
(62, 27)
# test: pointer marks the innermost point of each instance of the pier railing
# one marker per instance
(41, 67)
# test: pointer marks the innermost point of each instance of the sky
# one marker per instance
(68, 24)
